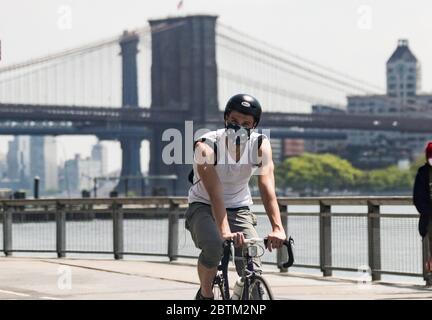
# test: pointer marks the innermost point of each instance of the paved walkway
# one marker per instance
(41, 278)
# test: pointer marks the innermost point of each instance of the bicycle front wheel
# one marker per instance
(218, 290)
(258, 289)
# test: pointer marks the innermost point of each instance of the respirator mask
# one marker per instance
(237, 134)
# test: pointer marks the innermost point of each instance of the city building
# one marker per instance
(325, 145)
(3, 166)
(293, 147)
(43, 164)
(100, 153)
(403, 73)
(277, 150)
(79, 174)
(31, 156)
(370, 149)
(403, 98)
(18, 160)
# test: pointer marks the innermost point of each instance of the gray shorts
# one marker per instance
(201, 224)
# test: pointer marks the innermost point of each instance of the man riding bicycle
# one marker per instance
(219, 199)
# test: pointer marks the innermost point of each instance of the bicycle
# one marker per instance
(255, 287)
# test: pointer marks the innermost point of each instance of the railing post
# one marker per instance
(117, 214)
(325, 240)
(61, 230)
(7, 230)
(374, 241)
(282, 254)
(427, 276)
(173, 230)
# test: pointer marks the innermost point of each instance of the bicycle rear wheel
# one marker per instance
(259, 289)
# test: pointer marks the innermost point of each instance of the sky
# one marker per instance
(355, 37)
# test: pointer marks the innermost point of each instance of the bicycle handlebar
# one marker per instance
(254, 240)
(288, 243)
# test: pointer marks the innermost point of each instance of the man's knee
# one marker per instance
(211, 253)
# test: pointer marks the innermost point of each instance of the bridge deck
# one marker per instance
(44, 278)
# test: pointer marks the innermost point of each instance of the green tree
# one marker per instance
(389, 179)
(417, 164)
(317, 172)
(326, 171)
(131, 194)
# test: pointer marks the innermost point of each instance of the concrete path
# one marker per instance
(52, 279)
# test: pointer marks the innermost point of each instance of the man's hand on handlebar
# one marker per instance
(237, 237)
(275, 240)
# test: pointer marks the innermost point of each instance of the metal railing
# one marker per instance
(368, 238)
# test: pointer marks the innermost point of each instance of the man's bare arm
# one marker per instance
(210, 179)
(266, 184)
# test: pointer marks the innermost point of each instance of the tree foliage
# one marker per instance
(319, 172)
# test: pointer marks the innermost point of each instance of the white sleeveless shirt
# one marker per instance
(234, 176)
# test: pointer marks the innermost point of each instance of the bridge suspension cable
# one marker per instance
(89, 75)
(356, 83)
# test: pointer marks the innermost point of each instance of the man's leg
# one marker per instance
(206, 276)
(243, 221)
(204, 232)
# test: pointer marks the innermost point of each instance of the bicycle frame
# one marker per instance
(248, 275)
(223, 267)
(221, 278)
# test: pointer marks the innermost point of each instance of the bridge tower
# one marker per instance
(184, 76)
(130, 145)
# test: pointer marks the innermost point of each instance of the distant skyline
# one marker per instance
(355, 37)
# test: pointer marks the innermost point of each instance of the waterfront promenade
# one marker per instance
(60, 279)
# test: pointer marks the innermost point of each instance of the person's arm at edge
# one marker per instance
(421, 199)
(421, 195)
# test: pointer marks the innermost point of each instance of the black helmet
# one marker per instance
(244, 103)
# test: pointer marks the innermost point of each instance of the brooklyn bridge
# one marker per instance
(134, 86)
